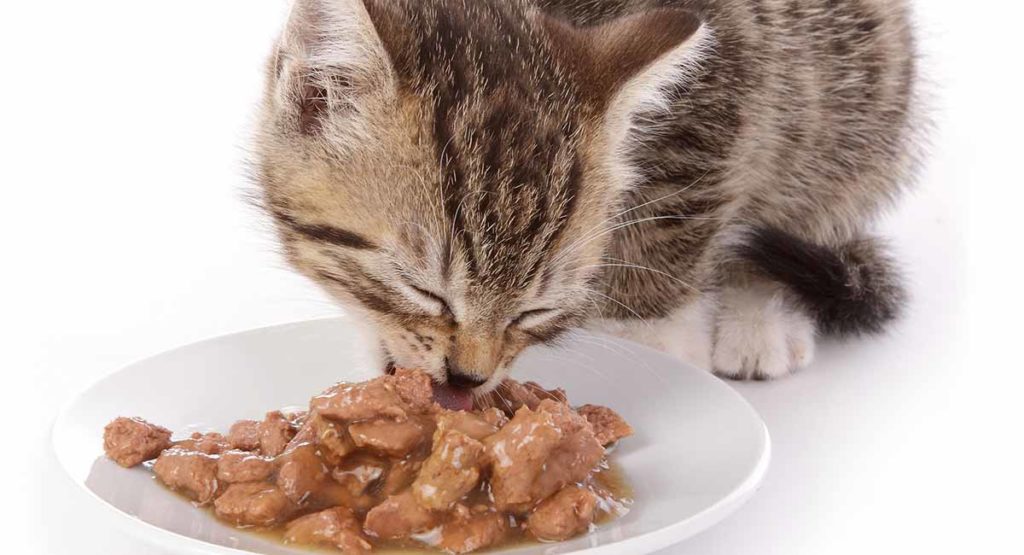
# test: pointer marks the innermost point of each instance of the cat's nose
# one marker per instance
(458, 377)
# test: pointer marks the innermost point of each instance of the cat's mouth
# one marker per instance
(448, 396)
(453, 398)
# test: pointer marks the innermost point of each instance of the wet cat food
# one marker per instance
(379, 464)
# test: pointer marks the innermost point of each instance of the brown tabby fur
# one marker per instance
(476, 176)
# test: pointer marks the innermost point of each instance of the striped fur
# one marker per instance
(476, 176)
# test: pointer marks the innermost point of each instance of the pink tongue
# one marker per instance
(453, 398)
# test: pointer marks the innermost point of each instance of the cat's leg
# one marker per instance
(760, 333)
(686, 334)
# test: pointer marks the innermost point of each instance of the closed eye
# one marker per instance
(534, 318)
(436, 303)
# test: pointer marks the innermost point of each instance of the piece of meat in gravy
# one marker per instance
(390, 437)
(394, 397)
(401, 475)
(211, 443)
(568, 513)
(244, 435)
(275, 433)
(472, 424)
(190, 472)
(302, 474)
(517, 454)
(358, 472)
(608, 426)
(557, 394)
(333, 438)
(400, 516)
(337, 527)
(470, 532)
(254, 504)
(415, 389)
(574, 457)
(450, 472)
(495, 417)
(511, 395)
(132, 441)
(243, 466)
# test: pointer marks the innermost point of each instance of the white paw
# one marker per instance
(759, 335)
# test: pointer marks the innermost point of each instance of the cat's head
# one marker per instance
(452, 170)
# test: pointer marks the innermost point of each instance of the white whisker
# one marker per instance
(626, 264)
(616, 301)
(587, 236)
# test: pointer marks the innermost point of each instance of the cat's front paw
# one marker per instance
(759, 335)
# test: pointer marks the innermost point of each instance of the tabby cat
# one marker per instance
(473, 177)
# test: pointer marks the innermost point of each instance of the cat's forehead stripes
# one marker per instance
(504, 133)
(326, 233)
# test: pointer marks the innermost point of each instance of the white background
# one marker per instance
(123, 232)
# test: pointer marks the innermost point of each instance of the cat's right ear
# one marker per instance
(630, 65)
(331, 67)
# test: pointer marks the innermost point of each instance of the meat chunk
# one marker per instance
(517, 453)
(302, 474)
(332, 437)
(356, 482)
(416, 390)
(568, 513)
(394, 397)
(400, 516)
(296, 415)
(244, 435)
(211, 443)
(359, 472)
(275, 432)
(333, 494)
(305, 478)
(478, 531)
(495, 417)
(608, 426)
(471, 424)
(511, 395)
(132, 441)
(450, 472)
(253, 504)
(392, 438)
(400, 476)
(571, 462)
(244, 466)
(190, 472)
(337, 527)
(359, 401)
(556, 394)
(574, 457)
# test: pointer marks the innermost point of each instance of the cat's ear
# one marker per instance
(331, 60)
(629, 64)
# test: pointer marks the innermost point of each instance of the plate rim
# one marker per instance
(645, 543)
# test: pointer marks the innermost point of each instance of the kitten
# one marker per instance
(478, 176)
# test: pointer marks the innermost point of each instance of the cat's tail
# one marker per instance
(850, 289)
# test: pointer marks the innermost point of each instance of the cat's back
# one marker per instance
(805, 99)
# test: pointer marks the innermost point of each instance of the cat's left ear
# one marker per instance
(628, 65)
(332, 61)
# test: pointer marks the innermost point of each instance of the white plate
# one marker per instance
(700, 450)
